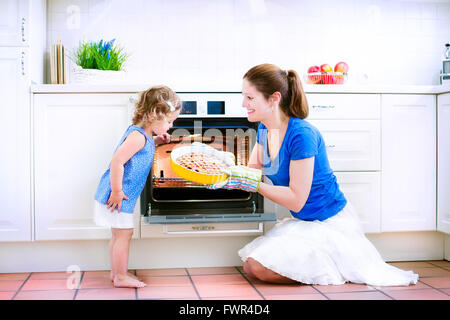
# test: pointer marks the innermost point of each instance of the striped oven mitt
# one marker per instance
(240, 177)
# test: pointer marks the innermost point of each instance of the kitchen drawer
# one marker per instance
(352, 145)
(343, 106)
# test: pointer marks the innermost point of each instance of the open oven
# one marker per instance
(182, 207)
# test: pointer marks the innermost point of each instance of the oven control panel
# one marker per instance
(212, 104)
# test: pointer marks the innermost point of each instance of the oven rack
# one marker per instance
(174, 183)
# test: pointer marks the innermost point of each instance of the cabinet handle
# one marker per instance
(23, 29)
(330, 146)
(22, 63)
(324, 107)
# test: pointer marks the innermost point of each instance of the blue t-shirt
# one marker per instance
(303, 140)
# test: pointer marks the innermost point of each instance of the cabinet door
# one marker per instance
(443, 210)
(352, 145)
(363, 191)
(14, 22)
(15, 146)
(408, 180)
(75, 137)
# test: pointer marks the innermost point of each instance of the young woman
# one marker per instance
(322, 243)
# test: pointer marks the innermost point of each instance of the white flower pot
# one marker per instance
(95, 76)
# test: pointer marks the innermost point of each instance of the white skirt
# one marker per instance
(333, 251)
(103, 217)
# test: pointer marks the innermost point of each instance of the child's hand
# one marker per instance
(162, 138)
(115, 200)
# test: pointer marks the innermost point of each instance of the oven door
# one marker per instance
(182, 206)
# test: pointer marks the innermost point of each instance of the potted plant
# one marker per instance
(99, 62)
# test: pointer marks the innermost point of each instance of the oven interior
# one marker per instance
(168, 198)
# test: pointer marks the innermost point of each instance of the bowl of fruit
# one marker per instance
(325, 74)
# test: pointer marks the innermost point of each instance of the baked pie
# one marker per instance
(202, 163)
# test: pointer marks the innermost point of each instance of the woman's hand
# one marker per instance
(115, 200)
(240, 177)
(162, 138)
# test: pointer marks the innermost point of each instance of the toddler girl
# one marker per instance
(122, 183)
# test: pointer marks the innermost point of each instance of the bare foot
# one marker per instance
(129, 274)
(127, 282)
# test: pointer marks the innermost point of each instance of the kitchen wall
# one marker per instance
(179, 42)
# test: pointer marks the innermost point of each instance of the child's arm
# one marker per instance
(163, 138)
(132, 144)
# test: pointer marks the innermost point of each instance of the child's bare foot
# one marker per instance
(111, 276)
(128, 282)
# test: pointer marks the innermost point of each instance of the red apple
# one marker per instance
(341, 67)
(313, 69)
(326, 68)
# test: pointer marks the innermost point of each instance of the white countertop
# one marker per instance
(345, 88)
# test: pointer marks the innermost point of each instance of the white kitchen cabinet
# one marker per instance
(352, 145)
(74, 140)
(363, 191)
(408, 180)
(14, 17)
(15, 146)
(443, 163)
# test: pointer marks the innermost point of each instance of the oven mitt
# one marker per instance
(240, 177)
(211, 150)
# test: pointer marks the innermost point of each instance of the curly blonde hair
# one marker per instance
(155, 103)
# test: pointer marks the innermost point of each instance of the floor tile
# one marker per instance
(418, 285)
(49, 284)
(431, 272)
(284, 289)
(219, 279)
(212, 270)
(440, 263)
(45, 295)
(96, 283)
(7, 295)
(173, 281)
(361, 295)
(97, 274)
(346, 287)
(161, 272)
(252, 297)
(106, 294)
(10, 285)
(165, 292)
(447, 291)
(13, 276)
(307, 296)
(409, 265)
(437, 282)
(227, 290)
(422, 294)
(49, 275)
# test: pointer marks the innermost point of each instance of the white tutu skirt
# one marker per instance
(105, 218)
(333, 251)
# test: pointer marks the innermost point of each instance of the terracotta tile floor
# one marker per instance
(229, 283)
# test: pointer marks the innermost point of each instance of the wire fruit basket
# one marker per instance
(326, 78)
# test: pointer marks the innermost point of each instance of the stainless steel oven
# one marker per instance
(171, 205)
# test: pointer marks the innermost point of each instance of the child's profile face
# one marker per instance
(163, 125)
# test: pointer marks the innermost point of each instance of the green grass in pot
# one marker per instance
(100, 55)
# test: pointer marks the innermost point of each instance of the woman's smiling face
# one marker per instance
(258, 108)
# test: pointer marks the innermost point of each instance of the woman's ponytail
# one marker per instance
(297, 105)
